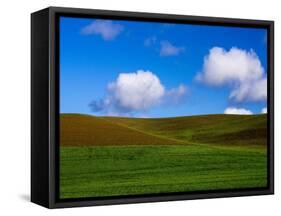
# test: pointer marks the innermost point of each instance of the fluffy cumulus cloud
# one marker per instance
(253, 91)
(105, 28)
(168, 49)
(264, 110)
(239, 69)
(237, 111)
(135, 92)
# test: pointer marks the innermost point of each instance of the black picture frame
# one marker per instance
(45, 106)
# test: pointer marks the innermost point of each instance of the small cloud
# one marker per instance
(150, 41)
(264, 110)
(143, 116)
(237, 111)
(135, 93)
(239, 69)
(176, 95)
(105, 28)
(168, 49)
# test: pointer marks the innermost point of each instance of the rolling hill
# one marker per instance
(86, 130)
(112, 156)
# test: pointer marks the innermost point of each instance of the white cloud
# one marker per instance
(136, 92)
(237, 111)
(237, 68)
(168, 49)
(105, 28)
(177, 94)
(250, 91)
(235, 65)
(264, 110)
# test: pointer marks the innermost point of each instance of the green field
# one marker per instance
(108, 156)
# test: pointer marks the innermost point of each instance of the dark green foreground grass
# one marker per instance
(94, 171)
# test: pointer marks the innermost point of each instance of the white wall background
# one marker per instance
(15, 107)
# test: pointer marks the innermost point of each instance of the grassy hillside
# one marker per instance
(208, 129)
(127, 170)
(85, 130)
(108, 156)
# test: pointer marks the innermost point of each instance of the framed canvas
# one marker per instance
(138, 107)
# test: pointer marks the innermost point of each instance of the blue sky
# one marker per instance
(146, 69)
